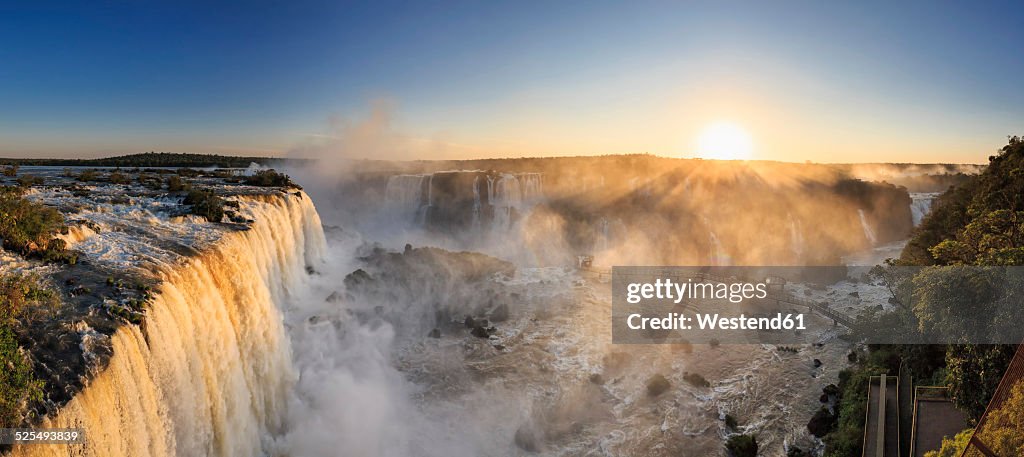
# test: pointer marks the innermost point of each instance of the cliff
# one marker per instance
(168, 339)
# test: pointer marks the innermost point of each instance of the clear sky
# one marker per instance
(823, 81)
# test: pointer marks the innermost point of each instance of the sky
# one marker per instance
(818, 81)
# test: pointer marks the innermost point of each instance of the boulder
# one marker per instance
(657, 385)
(527, 439)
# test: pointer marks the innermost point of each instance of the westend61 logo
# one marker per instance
(805, 305)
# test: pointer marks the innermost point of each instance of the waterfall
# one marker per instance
(404, 193)
(476, 202)
(532, 186)
(507, 196)
(796, 237)
(718, 255)
(920, 206)
(868, 233)
(209, 371)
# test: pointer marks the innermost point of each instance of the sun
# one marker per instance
(725, 141)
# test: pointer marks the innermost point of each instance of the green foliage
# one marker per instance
(974, 374)
(17, 384)
(88, 176)
(29, 181)
(20, 294)
(119, 178)
(269, 178)
(20, 297)
(953, 447)
(176, 184)
(730, 422)
(1002, 429)
(28, 228)
(981, 219)
(742, 445)
(205, 203)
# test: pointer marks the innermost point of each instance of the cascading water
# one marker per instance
(868, 232)
(209, 372)
(796, 237)
(476, 203)
(404, 193)
(921, 205)
(718, 256)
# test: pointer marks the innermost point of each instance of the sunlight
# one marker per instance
(725, 141)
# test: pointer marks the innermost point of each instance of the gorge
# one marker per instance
(273, 332)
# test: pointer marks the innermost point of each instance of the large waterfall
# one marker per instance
(210, 370)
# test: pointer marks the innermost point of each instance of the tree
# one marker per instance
(953, 447)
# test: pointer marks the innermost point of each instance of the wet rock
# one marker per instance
(855, 294)
(831, 390)
(408, 249)
(596, 378)
(822, 422)
(435, 333)
(817, 363)
(527, 439)
(657, 385)
(483, 332)
(696, 380)
(469, 322)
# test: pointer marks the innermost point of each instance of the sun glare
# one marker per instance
(725, 141)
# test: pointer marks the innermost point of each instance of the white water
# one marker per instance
(868, 232)
(921, 205)
(796, 237)
(211, 372)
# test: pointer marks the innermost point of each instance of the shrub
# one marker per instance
(206, 204)
(269, 178)
(88, 175)
(25, 226)
(742, 445)
(119, 178)
(11, 171)
(29, 181)
(17, 384)
(176, 184)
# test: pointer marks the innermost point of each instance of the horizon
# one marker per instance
(538, 157)
(784, 82)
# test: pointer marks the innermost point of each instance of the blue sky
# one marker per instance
(823, 81)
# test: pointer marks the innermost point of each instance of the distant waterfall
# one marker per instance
(477, 205)
(209, 372)
(868, 232)
(921, 205)
(796, 237)
(718, 255)
(509, 193)
(405, 193)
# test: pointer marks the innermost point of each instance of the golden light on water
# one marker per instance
(725, 141)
